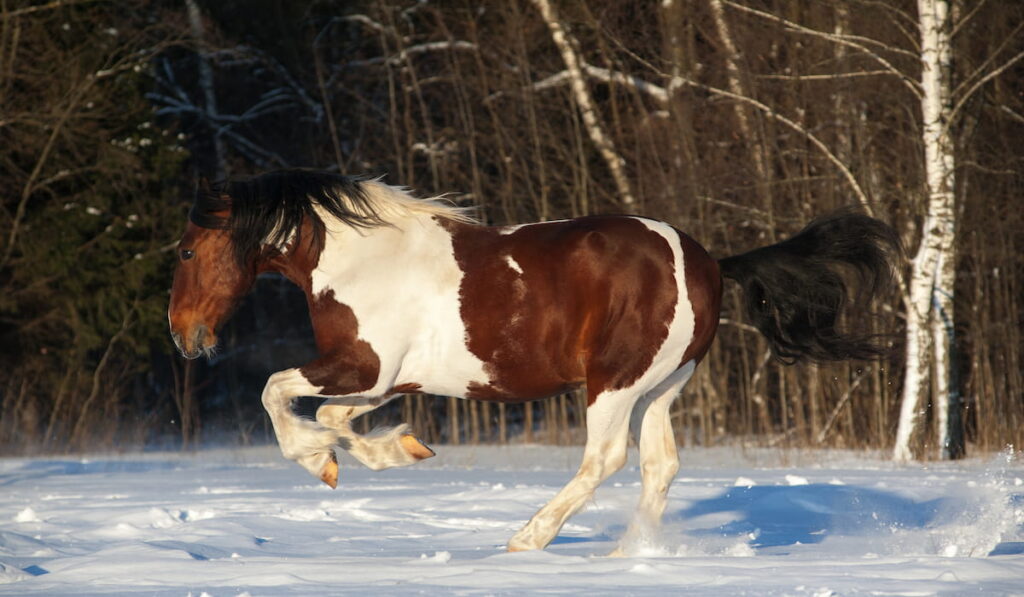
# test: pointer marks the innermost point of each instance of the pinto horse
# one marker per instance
(413, 295)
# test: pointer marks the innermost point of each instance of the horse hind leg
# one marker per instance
(378, 450)
(605, 453)
(659, 457)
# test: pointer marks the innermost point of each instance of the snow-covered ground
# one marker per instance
(246, 522)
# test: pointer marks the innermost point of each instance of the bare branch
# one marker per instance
(852, 41)
(839, 407)
(738, 324)
(985, 64)
(281, 71)
(826, 77)
(579, 87)
(365, 20)
(887, 5)
(98, 372)
(637, 83)
(755, 211)
(417, 49)
(966, 19)
(970, 92)
(30, 185)
(1009, 112)
(662, 94)
(41, 7)
(264, 158)
(861, 197)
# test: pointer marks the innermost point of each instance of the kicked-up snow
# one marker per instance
(247, 522)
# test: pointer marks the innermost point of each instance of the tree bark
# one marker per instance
(930, 304)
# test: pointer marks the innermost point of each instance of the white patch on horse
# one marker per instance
(512, 263)
(506, 230)
(419, 337)
(680, 331)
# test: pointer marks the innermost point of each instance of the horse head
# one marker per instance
(210, 278)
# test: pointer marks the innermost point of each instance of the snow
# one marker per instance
(247, 522)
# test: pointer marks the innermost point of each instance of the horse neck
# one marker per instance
(298, 259)
(345, 247)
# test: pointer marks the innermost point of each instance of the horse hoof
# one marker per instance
(415, 447)
(329, 474)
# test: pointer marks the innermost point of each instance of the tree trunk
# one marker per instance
(930, 303)
(195, 20)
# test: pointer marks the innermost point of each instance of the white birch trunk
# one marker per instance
(930, 303)
(578, 81)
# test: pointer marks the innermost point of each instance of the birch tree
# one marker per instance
(930, 293)
(930, 330)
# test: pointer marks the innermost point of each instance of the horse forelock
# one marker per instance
(208, 208)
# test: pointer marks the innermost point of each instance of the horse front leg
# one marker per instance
(380, 449)
(312, 443)
(308, 443)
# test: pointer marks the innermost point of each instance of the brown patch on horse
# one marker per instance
(404, 388)
(704, 289)
(297, 261)
(347, 364)
(637, 279)
(544, 326)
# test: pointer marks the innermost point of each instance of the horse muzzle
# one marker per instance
(197, 342)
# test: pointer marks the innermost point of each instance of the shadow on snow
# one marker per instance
(37, 469)
(786, 515)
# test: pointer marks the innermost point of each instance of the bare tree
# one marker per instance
(931, 335)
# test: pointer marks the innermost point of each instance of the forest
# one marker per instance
(737, 121)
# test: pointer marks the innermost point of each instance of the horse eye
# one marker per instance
(187, 254)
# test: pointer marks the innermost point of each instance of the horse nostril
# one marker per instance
(201, 332)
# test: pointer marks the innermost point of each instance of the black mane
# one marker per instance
(268, 209)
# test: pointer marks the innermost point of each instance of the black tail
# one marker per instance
(794, 291)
